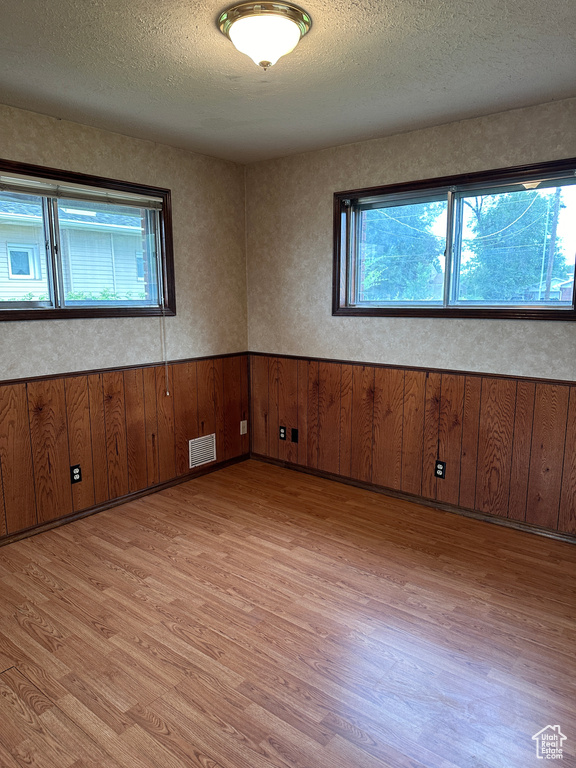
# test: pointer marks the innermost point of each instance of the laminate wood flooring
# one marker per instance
(262, 618)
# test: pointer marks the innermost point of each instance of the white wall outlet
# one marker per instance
(243, 427)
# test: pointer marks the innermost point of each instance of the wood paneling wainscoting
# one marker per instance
(508, 443)
(120, 426)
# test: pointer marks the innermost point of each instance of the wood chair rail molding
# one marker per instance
(454, 371)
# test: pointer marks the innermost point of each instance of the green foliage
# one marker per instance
(104, 295)
(399, 253)
(509, 249)
(508, 246)
(28, 297)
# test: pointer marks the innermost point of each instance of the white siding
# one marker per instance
(93, 261)
(26, 235)
(100, 261)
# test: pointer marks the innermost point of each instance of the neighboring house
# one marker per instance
(538, 291)
(102, 253)
(566, 290)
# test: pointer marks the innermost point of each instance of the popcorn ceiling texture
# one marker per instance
(289, 225)
(209, 245)
(163, 71)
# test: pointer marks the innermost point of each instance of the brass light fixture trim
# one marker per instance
(293, 12)
(235, 13)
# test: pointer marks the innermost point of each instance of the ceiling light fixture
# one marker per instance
(264, 31)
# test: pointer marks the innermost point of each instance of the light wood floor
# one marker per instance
(259, 617)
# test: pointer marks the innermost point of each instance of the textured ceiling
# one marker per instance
(162, 70)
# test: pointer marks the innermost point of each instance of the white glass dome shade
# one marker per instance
(264, 31)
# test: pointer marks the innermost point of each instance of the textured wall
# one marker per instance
(208, 214)
(289, 226)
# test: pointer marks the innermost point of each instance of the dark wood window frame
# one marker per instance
(343, 200)
(165, 256)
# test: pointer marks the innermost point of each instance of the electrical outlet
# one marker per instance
(282, 434)
(294, 436)
(75, 474)
(440, 469)
(243, 427)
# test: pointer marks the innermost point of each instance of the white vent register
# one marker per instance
(202, 450)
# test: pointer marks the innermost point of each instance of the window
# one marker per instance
(82, 246)
(491, 244)
(22, 262)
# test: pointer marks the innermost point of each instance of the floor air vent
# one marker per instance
(201, 450)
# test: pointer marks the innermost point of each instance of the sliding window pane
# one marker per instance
(109, 254)
(24, 276)
(400, 253)
(516, 247)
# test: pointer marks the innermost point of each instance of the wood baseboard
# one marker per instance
(516, 524)
(506, 442)
(121, 500)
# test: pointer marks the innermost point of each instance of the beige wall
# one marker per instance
(209, 243)
(289, 224)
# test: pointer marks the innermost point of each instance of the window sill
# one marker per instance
(83, 312)
(458, 312)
